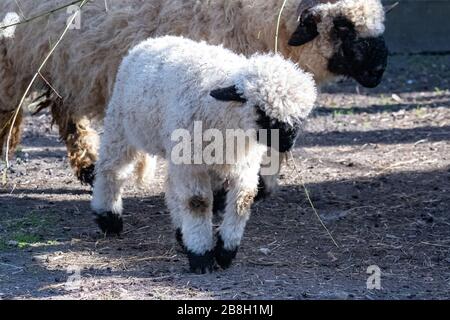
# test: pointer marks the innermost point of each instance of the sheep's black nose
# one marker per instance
(369, 80)
(285, 132)
(286, 138)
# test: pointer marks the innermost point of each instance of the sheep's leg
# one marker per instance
(219, 187)
(81, 142)
(82, 145)
(268, 178)
(267, 185)
(10, 90)
(5, 127)
(189, 199)
(145, 169)
(175, 212)
(239, 200)
(115, 165)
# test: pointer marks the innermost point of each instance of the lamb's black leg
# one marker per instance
(110, 223)
(201, 263)
(220, 196)
(263, 193)
(219, 201)
(223, 256)
(179, 238)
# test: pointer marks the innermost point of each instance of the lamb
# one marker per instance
(329, 38)
(172, 83)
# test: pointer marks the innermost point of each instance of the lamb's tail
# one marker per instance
(11, 19)
(145, 169)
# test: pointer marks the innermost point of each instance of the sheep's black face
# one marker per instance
(287, 133)
(363, 59)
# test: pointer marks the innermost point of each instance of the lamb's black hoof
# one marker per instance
(263, 192)
(87, 175)
(223, 256)
(201, 263)
(110, 223)
(179, 237)
(219, 200)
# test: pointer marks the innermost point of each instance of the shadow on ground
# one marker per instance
(397, 222)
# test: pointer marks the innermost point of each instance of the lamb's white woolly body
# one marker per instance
(83, 68)
(164, 84)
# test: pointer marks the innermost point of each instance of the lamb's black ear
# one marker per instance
(228, 94)
(306, 30)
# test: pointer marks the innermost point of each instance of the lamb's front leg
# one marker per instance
(189, 199)
(239, 200)
(267, 181)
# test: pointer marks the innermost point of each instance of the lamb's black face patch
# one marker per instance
(363, 59)
(287, 133)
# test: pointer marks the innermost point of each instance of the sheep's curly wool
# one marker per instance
(84, 67)
(167, 84)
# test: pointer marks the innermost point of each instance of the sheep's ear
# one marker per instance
(227, 94)
(306, 30)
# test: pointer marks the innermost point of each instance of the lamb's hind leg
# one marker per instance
(115, 165)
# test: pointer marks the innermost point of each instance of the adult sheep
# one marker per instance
(329, 38)
(170, 84)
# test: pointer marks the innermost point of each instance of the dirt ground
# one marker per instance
(376, 164)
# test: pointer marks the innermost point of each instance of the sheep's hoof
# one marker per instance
(179, 237)
(87, 175)
(263, 192)
(223, 256)
(110, 223)
(201, 263)
(219, 200)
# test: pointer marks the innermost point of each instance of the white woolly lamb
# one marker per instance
(171, 83)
